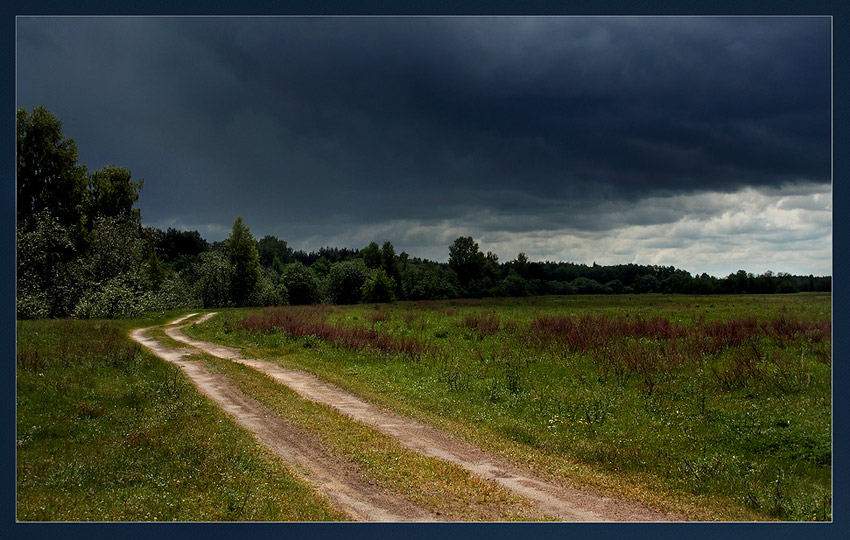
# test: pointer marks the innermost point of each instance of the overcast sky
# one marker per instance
(702, 143)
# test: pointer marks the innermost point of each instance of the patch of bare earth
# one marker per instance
(560, 501)
(338, 480)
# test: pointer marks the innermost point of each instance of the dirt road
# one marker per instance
(337, 480)
(564, 503)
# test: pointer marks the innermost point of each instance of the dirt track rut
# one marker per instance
(337, 480)
(564, 503)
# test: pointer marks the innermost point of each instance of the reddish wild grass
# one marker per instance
(592, 332)
(646, 348)
(485, 324)
(301, 322)
(379, 315)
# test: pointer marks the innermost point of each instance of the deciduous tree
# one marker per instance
(345, 281)
(271, 248)
(372, 256)
(48, 175)
(111, 192)
(379, 288)
(245, 262)
(392, 268)
(466, 260)
(302, 284)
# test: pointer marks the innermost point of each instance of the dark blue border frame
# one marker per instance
(838, 529)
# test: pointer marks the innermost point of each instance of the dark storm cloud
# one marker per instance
(543, 106)
(537, 123)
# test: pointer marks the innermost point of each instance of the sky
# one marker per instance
(703, 143)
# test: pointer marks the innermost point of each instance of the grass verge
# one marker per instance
(108, 432)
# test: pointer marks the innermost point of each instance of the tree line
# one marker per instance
(82, 251)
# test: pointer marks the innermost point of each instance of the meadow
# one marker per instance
(108, 432)
(719, 406)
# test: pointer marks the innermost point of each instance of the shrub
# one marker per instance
(268, 293)
(302, 284)
(379, 288)
(213, 284)
(116, 298)
(584, 285)
(515, 285)
(429, 282)
(345, 281)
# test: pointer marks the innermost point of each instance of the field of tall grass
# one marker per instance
(719, 407)
(108, 432)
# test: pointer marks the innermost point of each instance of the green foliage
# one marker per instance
(48, 176)
(44, 253)
(245, 262)
(213, 272)
(122, 274)
(271, 249)
(155, 271)
(587, 286)
(116, 248)
(177, 248)
(119, 276)
(647, 284)
(676, 283)
(379, 288)
(372, 256)
(110, 192)
(345, 280)
(269, 293)
(520, 265)
(615, 286)
(466, 260)
(321, 267)
(477, 273)
(430, 281)
(392, 268)
(119, 296)
(515, 284)
(302, 284)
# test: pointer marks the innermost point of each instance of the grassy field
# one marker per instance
(719, 406)
(445, 489)
(108, 432)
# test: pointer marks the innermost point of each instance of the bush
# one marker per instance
(587, 286)
(379, 288)
(429, 282)
(213, 284)
(45, 287)
(559, 287)
(646, 284)
(302, 284)
(515, 285)
(345, 281)
(118, 297)
(268, 293)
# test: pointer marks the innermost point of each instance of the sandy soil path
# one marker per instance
(564, 503)
(337, 480)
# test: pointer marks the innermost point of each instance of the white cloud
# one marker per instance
(784, 230)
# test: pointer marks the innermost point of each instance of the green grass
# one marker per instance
(108, 432)
(445, 489)
(739, 432)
